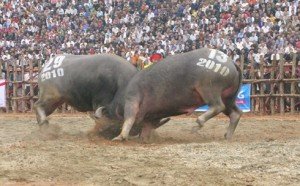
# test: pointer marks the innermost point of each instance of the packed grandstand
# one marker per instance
(144, 31)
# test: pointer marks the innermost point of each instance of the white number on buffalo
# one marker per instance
(216, 62)
(218, 55)
(53, 63)
(48, 65)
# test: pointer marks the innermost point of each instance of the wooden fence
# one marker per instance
(275, 87)
(21, 87)
(279, 92)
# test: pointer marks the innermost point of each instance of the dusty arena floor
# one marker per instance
(264, 151)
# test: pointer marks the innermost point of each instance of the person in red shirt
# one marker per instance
(154, 58)
(92, 51)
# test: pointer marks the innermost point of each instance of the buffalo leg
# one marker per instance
(44, 109)
(234, 114)
(214, 109)
(146, 132)
(131, 110)
(125, 130)
(40, 115)
(149, 127)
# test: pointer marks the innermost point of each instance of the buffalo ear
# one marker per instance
(99, 112)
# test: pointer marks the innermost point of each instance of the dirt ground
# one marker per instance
(265, 150)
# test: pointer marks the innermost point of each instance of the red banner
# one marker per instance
(3, 83)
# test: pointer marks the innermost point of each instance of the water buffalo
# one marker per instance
(178, 85)
(84, 82)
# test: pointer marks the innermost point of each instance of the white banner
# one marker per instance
(2, 93)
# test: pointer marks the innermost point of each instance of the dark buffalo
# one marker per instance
(178, 85)
(85, 82)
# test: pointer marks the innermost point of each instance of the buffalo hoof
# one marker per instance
(146, 140)
(227, 136)
(134, 137)
(119, 138)
(44, 123)
(200, 123)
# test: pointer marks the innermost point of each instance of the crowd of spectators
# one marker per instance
(139, 29)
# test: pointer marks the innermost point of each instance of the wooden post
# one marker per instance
(272, 99)
(15, 88)
(252, 70)
(242, 66)
(293, 83)
(23, 96)
(281, 84)
(242, 63)
(1, 68)
(252, 73)
(64, 108)
(31, 84)
(72, 110)
(7, 88)
(261, 88)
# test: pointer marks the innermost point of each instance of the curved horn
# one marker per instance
(163, 121)
(98, 112)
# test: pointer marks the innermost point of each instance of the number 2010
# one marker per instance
(211, 63)
(52, 74)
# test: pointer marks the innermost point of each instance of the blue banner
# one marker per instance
(242, 101)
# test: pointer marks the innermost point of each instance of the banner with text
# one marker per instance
(242, 101)
(2, 93)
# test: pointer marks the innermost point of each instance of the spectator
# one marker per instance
(146, 28)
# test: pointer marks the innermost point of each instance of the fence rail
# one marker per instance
(280, 91)
(275, 87)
